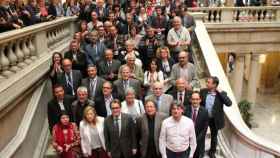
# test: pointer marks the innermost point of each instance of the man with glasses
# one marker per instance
(184, 69)
(103, 101)
(163, 101)
(119, 133)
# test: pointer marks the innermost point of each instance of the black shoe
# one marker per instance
(211, 154)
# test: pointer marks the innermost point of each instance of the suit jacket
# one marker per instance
(105, 70)
(80, 63)
(119, 90)
(201, 125)
(120, 143)
(54, 110)
(165, 102)
(76, 78)
(98, 89)
(137, 71)
(86, 136)
(187, 96)
(143, 132)
(166, 74)
(78, 110)
(100, 105)
(175, 74)
(94, 53)
(217, 111)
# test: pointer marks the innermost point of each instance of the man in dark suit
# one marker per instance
(77, 57)
(103, 101)
(199, 115)
(124, 82)
(59, 103)
(213, 100)
(93, 82)
(80, 104)
(182, 93)
(70, 79)
(148, 130)
(115, 41)
(108, 68)
(119, 133)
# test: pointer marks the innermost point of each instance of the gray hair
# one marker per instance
(129, 90)
(82, 89)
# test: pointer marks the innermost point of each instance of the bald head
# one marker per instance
(67, 65)
(177, 22)
(157, 89)
(181, 84)
(183, 58)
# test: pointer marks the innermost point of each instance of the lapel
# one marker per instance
(157, 125)
(123, 122)
(145, 123)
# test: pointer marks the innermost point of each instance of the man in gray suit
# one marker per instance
(184, 69)
(119, 133)
(124, 82)
(93, 82)
(148, 128)
(163, 101)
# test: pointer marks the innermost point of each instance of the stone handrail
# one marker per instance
(241, 141)
(239, 14)
(28, 50)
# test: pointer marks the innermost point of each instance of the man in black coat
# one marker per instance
(199, 115)
(214, 100)
(109, 68)
(70, 79)
(119, 133)
(59, 103)
(103, 101)
(182, 92)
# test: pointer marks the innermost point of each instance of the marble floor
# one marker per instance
(266, 117)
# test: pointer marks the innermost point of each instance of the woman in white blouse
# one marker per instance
(152, 75)
(92, 136)
(132, 106)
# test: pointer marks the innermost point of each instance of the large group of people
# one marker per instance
(127, 86)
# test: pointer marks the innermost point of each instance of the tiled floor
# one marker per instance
(266, 115)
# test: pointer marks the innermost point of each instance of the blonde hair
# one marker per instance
(163, 48)
(86, 110)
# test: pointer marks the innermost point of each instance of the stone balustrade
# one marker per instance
(239, 14)
(236, 139)
(20, 48)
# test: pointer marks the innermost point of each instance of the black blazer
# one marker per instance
(100, 105)
(54, 110)
(52, 10)
(98, 89)
(76, 77)
(123, 143)
(217, 111)
(80, 63)
(104, 70)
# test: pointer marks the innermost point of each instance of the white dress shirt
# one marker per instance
(177, 136)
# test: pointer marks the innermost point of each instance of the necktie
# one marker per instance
(116, 124)
(92, 86)
(194, 115)
(181, 97)
(125, 84)
(70, 82)
(157, 101)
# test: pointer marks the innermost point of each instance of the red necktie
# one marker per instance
(194, 116)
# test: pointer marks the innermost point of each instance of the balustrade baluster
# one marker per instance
(32, 48)
(5, 63)
(26, 52)
(12, 58)
(19, 54)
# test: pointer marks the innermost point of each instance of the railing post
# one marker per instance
(277, 16)
(40, 42)
(226, 15)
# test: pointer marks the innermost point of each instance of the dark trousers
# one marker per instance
(99, 153)
(171, 154)
(214, 134)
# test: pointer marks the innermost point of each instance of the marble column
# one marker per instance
(238, 74)
(247, 66)
(253, 78)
